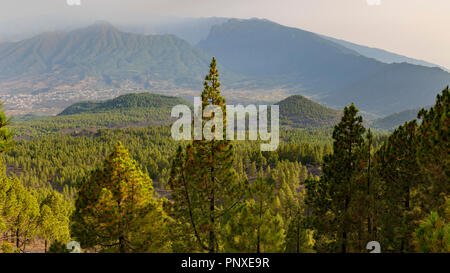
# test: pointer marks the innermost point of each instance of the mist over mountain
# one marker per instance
(393, 88)
(289, 57)
(102, 54)
(393, 121)
(256, 55)
(310, 64)
(380, 54)
(192, 30)
(152, 133)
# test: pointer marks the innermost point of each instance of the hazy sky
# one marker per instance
(415, 28)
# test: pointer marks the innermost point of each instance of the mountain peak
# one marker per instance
(259, 47)
(299, 111)
(131, 101)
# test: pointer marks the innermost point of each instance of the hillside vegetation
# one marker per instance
(298, 111)
(125, 102)
(322, 190)
(143, 109)
(395, 120)
(130, 110)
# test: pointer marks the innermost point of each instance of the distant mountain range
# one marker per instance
(394, 88)
(253, 55)
(393, 121)
(380, 54)
(101, 55)
(333, 74)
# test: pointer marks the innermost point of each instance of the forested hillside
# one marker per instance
(393, 121)
(142, 109)
(298, 111)
(130, 110)
(125, 102)
(135, 189)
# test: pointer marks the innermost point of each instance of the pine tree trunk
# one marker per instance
(212, 238)
(344, 232)
(258, 239)
(404, 239)
(211, 231)
(298, 234)
(121, 244)
(369, 227)
(344, 240)
(17, 239)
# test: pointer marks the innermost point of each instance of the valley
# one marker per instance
(48, 72)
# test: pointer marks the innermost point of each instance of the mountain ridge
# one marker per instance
(253, 55)
(396, 87)
(261, 48)
(394, 120)
(381, 55)
(300, 112)
(103, 52)
(308, 64)
(295, 111)
(124, 102)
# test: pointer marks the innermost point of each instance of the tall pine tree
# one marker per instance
(400, 176)
(116, 209)
(5, 132)
(256, 227)
(203, 181)
(332, 197)
(433, 153)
